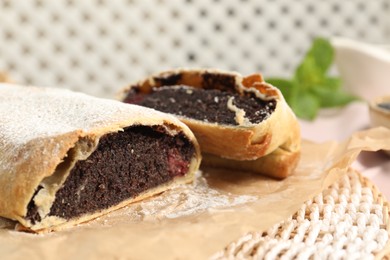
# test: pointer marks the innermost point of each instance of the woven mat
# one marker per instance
(349, 220)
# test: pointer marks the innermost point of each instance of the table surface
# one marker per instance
(340, 124)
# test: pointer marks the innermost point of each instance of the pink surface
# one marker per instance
(338, 125)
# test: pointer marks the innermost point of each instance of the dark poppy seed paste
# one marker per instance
(123, 165)
(209, 105)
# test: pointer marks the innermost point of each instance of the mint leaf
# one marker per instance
(306, 105)
(332, 83)
(285, 86)
(315, 64)
(329, 97)
(322, 52)
(311, 89)
(308, 73)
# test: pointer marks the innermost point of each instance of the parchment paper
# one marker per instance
(194, 221)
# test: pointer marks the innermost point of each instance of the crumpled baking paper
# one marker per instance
(196, 220)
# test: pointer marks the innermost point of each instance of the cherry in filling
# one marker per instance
(123, 165)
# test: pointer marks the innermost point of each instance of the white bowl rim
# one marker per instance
(379, 51)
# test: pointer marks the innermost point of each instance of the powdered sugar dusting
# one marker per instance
(29, 113)
(188, 200)
(182, 200)
(38, 126)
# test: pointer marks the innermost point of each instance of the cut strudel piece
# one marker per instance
(66, 157)
(240, 122)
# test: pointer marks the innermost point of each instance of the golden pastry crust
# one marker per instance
(42, 128)
(4, 77)
(246, 145)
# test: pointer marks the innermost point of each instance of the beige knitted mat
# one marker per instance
(349, 220)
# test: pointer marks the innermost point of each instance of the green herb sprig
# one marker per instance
(310, 88)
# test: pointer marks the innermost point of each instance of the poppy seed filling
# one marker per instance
(123, 165)
(209, 105)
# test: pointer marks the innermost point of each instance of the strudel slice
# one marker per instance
(240, 122)
(66, 157)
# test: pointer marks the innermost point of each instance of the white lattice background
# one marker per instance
(99, 46)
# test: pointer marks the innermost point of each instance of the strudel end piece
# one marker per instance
(240, 122)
